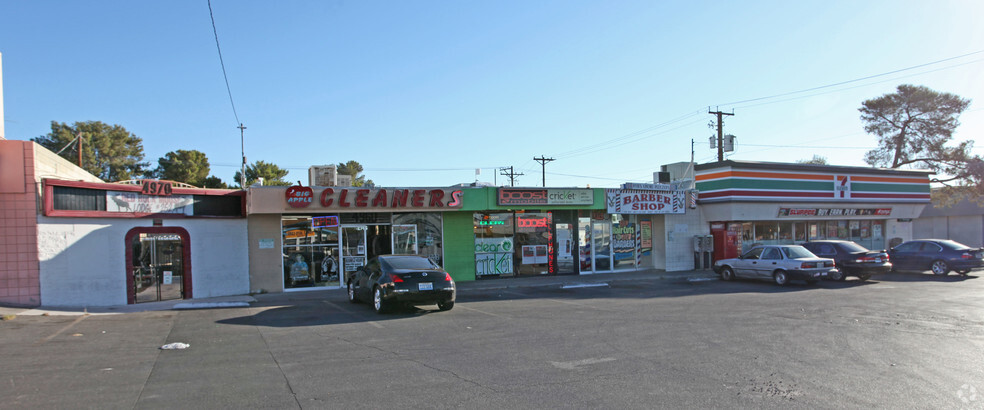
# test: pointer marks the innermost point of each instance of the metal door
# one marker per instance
(158, 271)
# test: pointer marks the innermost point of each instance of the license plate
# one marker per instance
(425, 286)
(877, 260)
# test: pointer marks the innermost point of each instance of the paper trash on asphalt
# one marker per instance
(175, 346)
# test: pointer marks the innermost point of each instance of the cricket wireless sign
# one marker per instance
(635, 201)
(362, 199)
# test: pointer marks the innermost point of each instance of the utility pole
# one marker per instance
(242, 146)
(720, 124)
(512, 175)
(79, 137)
(543, 166)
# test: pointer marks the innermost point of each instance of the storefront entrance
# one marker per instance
(363, 242)
(159, 265)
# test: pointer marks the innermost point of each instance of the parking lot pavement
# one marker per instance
(463, 286)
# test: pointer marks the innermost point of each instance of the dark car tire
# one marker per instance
(445, 306)
(727, 273)
(939, 267)
(864, 276)
(351, 293)
(838, 275)
(780, 278)
(963, 271)
(378, 304)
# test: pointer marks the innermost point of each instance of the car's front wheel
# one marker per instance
(963, 271)
(939, 267)
(727, 273)
(445, 306)
(780, 277)
(378, 304)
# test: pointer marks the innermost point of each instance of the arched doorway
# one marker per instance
(158, 261)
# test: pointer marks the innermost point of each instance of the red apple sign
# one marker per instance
(299, 196)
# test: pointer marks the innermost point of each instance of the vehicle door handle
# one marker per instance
(773, 263)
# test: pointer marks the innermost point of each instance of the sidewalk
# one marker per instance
(566, 281)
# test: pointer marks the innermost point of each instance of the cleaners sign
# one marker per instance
(637, 201)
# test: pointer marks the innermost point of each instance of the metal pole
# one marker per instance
(242, 146)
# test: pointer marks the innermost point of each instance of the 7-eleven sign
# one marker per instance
(842, 186)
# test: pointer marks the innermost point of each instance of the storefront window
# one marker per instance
(310, 251)
(799, 232)
(534, 243)
(623, 241)
(785, 233)
(494, 246)
(766, 233)
(421, 229)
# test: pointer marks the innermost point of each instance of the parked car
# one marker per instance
(937, 255)
(389, 280)
(851, 259)
(779, 263)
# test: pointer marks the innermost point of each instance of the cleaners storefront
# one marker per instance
(751, 203)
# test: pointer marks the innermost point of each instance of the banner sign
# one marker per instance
(118, 201)
(545, 196)
(645, 202)
(797, 212)
(376, 199)
(623, 240)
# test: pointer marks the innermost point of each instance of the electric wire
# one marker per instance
(222, 63)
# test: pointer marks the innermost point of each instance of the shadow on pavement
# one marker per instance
(916, 276)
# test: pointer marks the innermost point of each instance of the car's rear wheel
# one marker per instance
(780, 277)
(939, 267)
(378, 304)
(351, 293)
(837, 275)
(446, 305)
(727, 273)
(864, 276)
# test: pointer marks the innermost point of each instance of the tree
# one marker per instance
(214, 182)
(109, 152)
(914, 126)
(190, 167)
(816, 160)
(353, 168)
(271, 174)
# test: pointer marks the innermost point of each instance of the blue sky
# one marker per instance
(424, 92)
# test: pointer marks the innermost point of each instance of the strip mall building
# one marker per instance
(70, 239)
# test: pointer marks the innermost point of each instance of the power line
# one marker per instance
(222, 63)
(852, 81)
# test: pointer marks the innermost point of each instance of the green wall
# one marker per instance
(459, 245)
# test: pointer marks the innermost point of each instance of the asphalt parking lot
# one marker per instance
(900, 340)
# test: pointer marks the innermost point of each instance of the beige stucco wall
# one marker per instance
(49, 165)
(265, 265)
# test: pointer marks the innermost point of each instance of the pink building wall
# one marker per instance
(19, 264)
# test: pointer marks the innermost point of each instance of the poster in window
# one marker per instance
(646, 228)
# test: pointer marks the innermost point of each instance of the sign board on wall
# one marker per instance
(367, 200)
(545, 196)
(621, 201)
(119, 201)
(493, 256)
(798, 212)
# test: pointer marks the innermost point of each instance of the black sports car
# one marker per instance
(851, 259)
(937, 255)
(389, 280)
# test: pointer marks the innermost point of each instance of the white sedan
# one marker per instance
(778, 263)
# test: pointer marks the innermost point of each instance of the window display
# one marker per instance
(310, 251)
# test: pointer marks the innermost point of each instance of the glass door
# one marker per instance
(601, 241)
(158, 271)
(405, 239)
(565, 248)
(353, 248)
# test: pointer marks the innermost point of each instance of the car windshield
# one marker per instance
(408, 262)
(853, 247)
(948, 244)
(797, 252)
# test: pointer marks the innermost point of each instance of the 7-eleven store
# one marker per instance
(751, 203)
